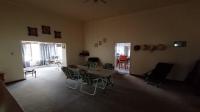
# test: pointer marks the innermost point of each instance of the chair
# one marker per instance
(122, 62)
(91, 64)
(73, 75)
(94, 59)
(193, 78)
(158, 74)
(88, 80)
(108, 66)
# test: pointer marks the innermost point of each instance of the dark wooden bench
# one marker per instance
(30, 70)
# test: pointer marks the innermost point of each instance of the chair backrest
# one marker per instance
(193, 79)
(92, 64)
(66, 72)
(75, 73)
(87, 78)
(123, 58)
(94, 59)
(108, 66)
(194, 74)
(161, 71)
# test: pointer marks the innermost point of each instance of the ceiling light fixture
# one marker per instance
(96, 1)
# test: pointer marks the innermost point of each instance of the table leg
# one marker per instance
(32, 72)
(35, 73)
(25, 74)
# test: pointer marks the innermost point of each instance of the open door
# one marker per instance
(122, 57)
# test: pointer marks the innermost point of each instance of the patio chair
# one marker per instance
(91, 81)
(193, 78)
(73, 76)
(158, 74)
(92, 64)
(94, 59)
(108, 66)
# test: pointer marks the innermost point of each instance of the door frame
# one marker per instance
(64, 50)
(130, 55)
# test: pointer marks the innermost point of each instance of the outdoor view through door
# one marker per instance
(122, 57)
(42, 54)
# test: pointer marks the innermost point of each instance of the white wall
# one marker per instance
(13, 29)
(161, 25)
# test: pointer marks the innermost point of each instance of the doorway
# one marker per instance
(122, 57)
(40, 55)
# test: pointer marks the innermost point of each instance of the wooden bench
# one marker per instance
(30, 70)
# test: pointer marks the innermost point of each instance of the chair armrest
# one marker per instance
(148, 73)
(76, 76)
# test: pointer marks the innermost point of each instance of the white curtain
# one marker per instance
(26, 54)
(48, 53)
(35, 54)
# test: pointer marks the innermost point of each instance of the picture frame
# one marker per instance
(46, 29)
(137, 47)
(104, 40)
(96, 45)
(57, 34)
(153, 48)
(32, 31)
(180, 44)
(146, 47)
(161, 47)
(100, 43)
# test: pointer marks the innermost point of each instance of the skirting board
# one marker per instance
(167, 80)
(12, 82)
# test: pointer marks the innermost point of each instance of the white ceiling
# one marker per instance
(89, 11)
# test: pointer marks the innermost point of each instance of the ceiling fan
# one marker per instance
(96, 1)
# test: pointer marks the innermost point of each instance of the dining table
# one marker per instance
(99, 72)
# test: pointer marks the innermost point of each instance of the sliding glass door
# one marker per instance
(40, 53)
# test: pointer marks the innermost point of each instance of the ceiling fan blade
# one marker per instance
(96, 0)
(103, 1)
(85, 1)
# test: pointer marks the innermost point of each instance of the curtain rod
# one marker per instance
(40, 42)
